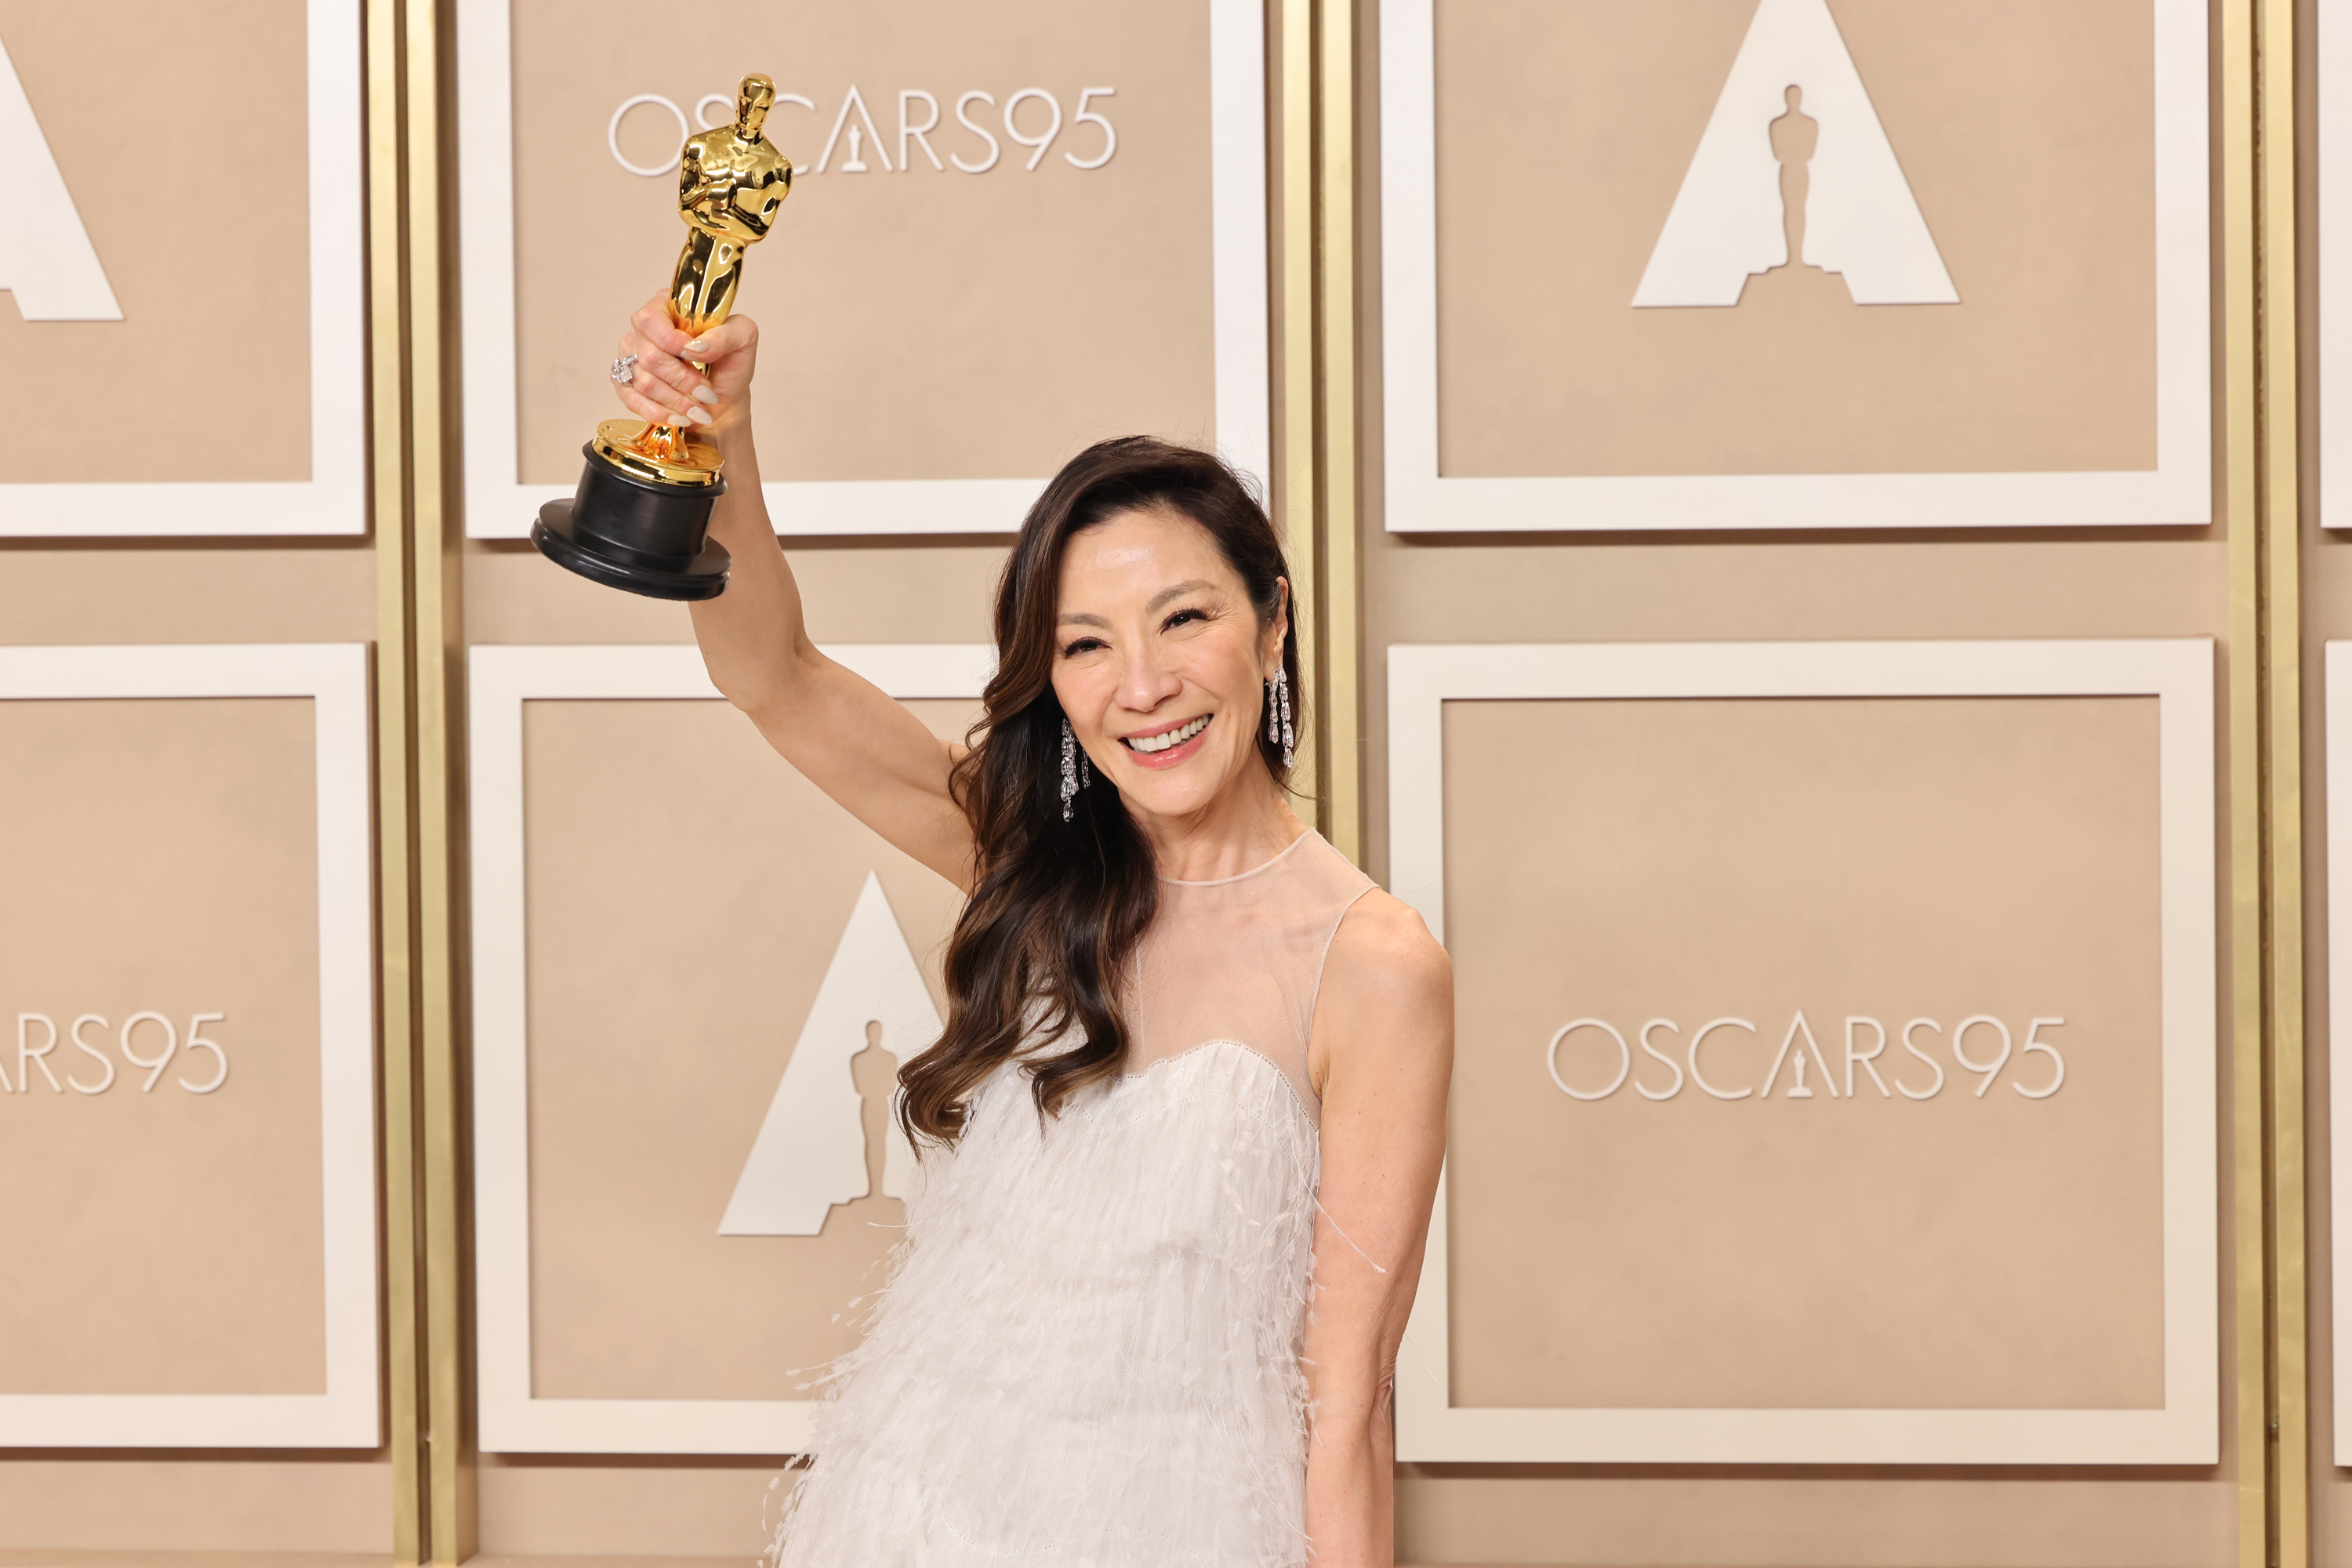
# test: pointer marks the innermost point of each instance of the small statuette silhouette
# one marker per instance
(1798, 1088)
(856, 164)
(874, 1071)
(1794, 136)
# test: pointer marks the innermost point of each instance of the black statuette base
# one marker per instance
(635, 533)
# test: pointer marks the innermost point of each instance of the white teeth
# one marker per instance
(1173, 738)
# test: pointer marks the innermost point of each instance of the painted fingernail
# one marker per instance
(700, 417)
(698, 345)
(703, 394)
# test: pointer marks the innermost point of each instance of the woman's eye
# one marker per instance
(1182, 616)
(1083, 644)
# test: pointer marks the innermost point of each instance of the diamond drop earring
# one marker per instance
(1282, 691)
(1069, 769)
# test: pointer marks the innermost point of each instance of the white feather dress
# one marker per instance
(1087, 1355)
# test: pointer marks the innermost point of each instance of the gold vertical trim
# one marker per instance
(395, 787)
(2278, 481)
(2248, 1380)
(1294, 413)
(449, 1467)
(1341, 594)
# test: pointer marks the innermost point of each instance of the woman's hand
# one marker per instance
(667, 389)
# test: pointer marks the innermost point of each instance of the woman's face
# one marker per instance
(1161, 661)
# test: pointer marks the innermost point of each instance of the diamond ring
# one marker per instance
(625, 369)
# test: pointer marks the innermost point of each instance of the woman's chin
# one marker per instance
(1181, 791)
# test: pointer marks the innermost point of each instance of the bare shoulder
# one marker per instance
(1389, 948)
(1383, 959)
(1385, 1013)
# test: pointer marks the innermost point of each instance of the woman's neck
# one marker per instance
(1241, 830)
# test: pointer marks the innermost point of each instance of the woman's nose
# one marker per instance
(1144, 684)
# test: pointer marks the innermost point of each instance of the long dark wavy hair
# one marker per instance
(1044, 944)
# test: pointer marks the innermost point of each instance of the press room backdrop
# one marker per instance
(1795, 634)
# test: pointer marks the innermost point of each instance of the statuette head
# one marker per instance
(752, 102)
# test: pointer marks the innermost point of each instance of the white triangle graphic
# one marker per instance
(810, 1151)
(1861, 220)
(46, 256)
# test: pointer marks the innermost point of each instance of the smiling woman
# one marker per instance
(1145, 600)
(1194, 1068)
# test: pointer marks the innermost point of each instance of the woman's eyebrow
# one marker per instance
(1192, 585)
(1081, 618)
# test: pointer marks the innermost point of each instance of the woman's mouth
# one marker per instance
(1169, 747)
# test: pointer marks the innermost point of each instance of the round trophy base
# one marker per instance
(705, 576)
(635, 533)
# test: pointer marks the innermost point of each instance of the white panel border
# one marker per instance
(333, 500)
(2338, 821)
(2334, 159)
(2180, 674)
(2178, 490)
(499, 507)
(503, 679)
(334, 676)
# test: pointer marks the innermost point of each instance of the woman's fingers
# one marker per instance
(661, 342)
(673, 374)
(660, 404)
(665, 382)
(732, 336)
(731, 350)
(646, 408)
(652, 323)
(667, 357)
(650, 397)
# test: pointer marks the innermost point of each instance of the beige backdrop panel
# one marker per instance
(2025, 130)
(1618, 589)
(582, 1510)
(161, 856)
(311, 593)
(198, 208)
(687, 890)
(1894, 858)
(921, 324)
(136, 1510)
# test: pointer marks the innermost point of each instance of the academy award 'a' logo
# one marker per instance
(1794, 162)
(829, 1137)
(46, 259)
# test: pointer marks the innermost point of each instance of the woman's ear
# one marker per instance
(1277, 628)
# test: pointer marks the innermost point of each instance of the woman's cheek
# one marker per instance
(1087, 700)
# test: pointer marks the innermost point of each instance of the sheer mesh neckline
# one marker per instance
(1263, 865)
(1240, 959)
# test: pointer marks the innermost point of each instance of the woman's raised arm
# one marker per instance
(852, 741)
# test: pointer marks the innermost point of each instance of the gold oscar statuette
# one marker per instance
(641, 516)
